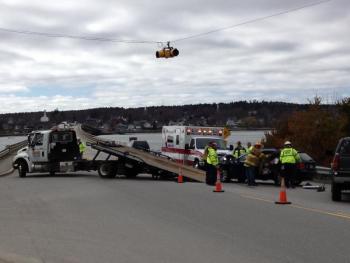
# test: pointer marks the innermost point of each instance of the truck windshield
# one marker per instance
(62, 137)
(202, 142)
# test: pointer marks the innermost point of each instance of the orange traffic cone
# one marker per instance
(283, 194)
(218, 184)
(180, 178)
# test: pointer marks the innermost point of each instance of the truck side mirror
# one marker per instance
(231, 147)
(187, 146)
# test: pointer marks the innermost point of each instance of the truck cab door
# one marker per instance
(37, 150)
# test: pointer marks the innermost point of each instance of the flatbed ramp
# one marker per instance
(152, 160)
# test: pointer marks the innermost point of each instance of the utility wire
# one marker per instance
(102, 39)
(252, 21)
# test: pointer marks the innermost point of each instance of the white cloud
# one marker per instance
(274, 59)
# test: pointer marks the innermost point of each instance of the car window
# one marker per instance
(243, 157)
(38, 139)
(345, 147)
(305, 157)
(143, 145)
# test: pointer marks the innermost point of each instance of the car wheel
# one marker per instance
(106, 170)
(241, 179)
(277, 181)
(297, 182)
(22, 169)
(336, 192)
(225, 177)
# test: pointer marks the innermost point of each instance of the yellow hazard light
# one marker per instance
(167, 53)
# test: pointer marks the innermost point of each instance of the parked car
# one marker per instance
(270, 168)
(140, 145)
(340, 169)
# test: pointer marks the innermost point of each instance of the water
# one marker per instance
(155, 139)
(10, 140)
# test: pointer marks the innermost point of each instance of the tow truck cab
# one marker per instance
(48, 151)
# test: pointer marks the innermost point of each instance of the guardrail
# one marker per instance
(11, 148)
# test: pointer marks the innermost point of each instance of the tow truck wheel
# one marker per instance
(106, 170)
(22, 169)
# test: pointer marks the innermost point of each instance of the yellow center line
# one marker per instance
(315, 210)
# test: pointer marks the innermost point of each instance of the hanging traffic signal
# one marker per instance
(167, 52)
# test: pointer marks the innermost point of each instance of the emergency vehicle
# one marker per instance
(186, 144)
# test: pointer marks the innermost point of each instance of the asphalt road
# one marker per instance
(82, 218)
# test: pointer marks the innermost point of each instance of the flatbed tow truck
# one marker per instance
(56, 151)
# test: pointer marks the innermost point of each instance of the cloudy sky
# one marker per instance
(291, 57)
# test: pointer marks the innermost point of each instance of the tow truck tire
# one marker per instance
(131, 173)
(22, 169)
(336, 192)
(107, 170)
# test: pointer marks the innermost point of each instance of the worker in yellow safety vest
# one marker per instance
(82, 148)
(289, 157)
(239, 150)
(212, 164)
(249, 147)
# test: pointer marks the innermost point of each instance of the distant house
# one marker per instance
(231, 123)
(147, 125)
(44, 118)
(131, 127)
(252, 113)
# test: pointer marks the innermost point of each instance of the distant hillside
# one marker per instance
(240, 114)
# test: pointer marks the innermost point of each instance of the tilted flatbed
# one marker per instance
(138, 161)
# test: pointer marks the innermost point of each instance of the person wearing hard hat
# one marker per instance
(212, 164)
(252, 163)
(239, 150)
(289, 157)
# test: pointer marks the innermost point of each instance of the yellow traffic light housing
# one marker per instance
(167, 52)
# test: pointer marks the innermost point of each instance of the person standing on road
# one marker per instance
(239, 150)
(82, 148)
(212, 164)
(249, 147)
(252, 163)
(289, 157)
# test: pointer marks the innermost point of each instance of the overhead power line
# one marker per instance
(252, 21)
(130, 41)
(54, 35)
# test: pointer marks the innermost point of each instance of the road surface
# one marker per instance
(82, 218)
